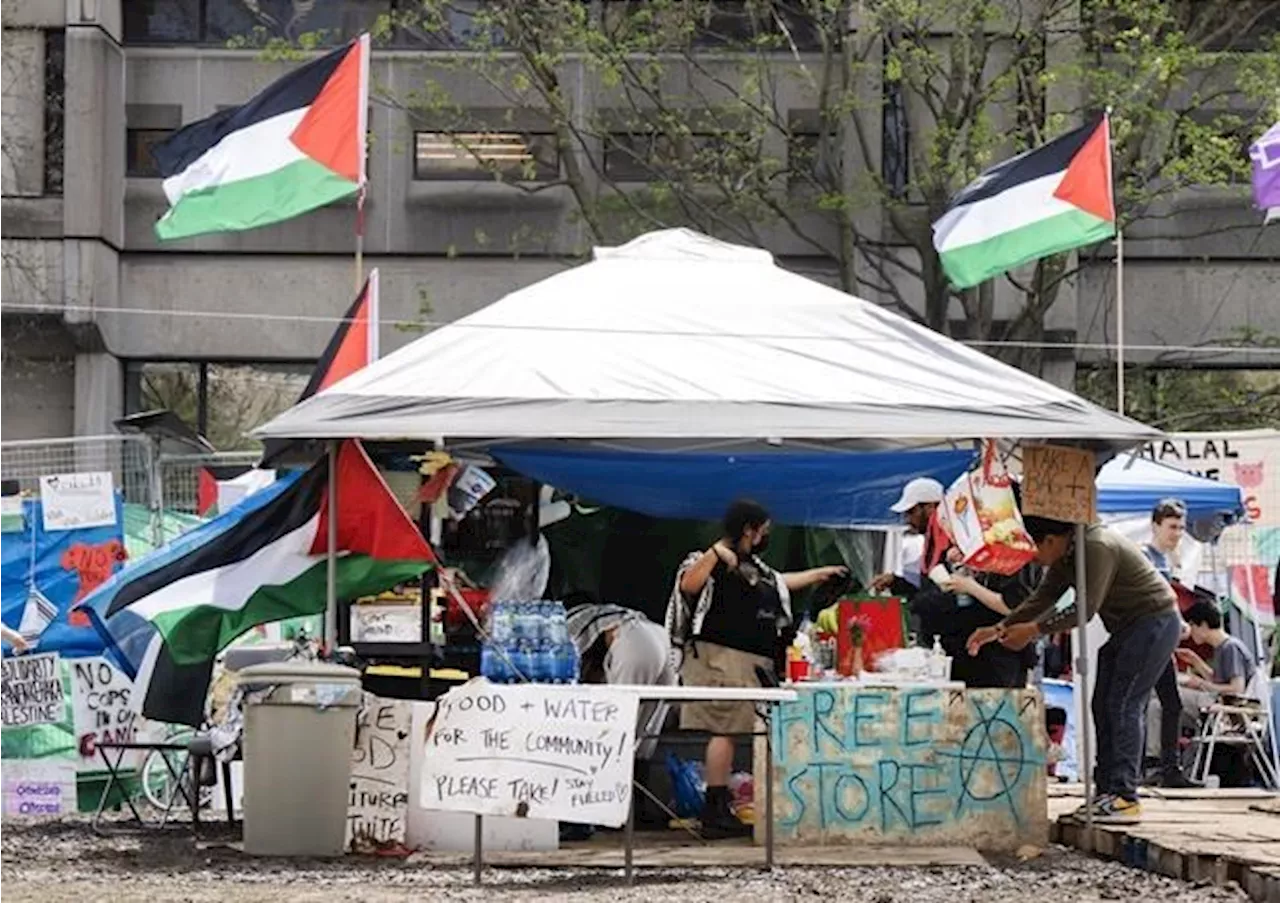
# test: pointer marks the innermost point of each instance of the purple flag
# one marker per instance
(1265, 154)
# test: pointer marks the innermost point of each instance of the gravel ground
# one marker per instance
(64, 861)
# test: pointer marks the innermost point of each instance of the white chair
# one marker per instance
(1241, 721)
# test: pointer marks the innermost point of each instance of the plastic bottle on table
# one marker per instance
(524, 661)
(501, 623)
(559, 624)
(566, 663)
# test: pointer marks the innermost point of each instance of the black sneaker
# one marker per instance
(723, 825)
(1174, 779)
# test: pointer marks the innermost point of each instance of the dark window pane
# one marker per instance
(138, 160)
(470, 156)
(55, 93)
(458, 24)
(655, 156)
(161, 21)
(328, 23)
(895, 148)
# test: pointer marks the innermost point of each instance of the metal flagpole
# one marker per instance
(1082, 669)
(331, 552)
(1119, 319)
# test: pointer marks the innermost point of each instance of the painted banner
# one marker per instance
(39, 787)
(378, 809)
(75, 501)
(910, 766)
(32, 690)
(532, 751)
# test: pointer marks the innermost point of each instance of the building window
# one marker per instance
(653, 156)
(895, 134)
(55, 95)
(252, 22)
(476, 156)
(221, 401)
(139, 164)
(455, 25)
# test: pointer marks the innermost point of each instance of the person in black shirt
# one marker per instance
(732, 607)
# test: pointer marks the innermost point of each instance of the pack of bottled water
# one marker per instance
(529, 643)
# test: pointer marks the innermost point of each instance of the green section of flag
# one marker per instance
(197, 634)
(260, 201)
(969, 265)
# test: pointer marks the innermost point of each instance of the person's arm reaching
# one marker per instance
(1052, 585)
(13, 638)
(1100, 572)
(963, 583)
(798, 580)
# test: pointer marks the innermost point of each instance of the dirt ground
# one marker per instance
(45, 862)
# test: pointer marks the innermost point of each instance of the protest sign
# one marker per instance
(32, 690)
(378, 810)
(1058, 483)
(102, 709)
(533, 751)
(39, 787)
(386, 623)
(74, 501)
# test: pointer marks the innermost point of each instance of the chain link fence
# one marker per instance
(127, 458)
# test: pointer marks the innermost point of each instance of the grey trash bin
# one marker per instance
(297, 758)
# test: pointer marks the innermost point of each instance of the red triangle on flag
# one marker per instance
(1087, 181)
(331, 132)
(206, 491)
(352, 353)
(370, 520)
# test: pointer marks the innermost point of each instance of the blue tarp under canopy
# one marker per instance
(812, 489)
(1129, 484)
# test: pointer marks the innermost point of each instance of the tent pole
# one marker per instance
(331, 553)
(1082, 669)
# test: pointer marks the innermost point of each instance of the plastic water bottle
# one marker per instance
(526, 621)
(524, 661)
(544, 664)
(566, 663)
(488, 669)
(559, 624)
(504, 623)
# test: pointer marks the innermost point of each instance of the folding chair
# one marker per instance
(1243, 721)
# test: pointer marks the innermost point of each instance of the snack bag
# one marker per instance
(982, 517)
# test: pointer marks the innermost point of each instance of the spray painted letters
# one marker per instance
(378, 811)
(102, 703)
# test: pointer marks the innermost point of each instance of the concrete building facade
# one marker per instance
(99, 317)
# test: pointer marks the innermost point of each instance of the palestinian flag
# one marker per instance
(298, 145)
(354, 345)
(1044, 201)
(168, 615)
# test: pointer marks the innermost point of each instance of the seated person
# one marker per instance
(1233, 666)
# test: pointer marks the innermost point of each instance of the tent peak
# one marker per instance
(686, 245)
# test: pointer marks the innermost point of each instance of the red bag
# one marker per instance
(884, 633)
(980, 513)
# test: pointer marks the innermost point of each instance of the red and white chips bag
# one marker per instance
(980, 513)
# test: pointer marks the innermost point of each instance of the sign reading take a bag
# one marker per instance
(1058, 482)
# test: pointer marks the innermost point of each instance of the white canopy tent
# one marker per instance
(681, 341)
(677, 337)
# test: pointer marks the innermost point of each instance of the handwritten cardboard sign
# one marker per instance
(32, 690)
(532, 751)
(103, 709)
(386, 623)
(39, 787)
(1058, 482)
(74, 501)
(378, 810)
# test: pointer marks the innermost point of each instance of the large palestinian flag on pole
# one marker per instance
(298, 145)
(168, 615)
(354, 345)
(1051, 199)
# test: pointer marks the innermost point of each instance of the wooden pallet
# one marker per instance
(1219, 837)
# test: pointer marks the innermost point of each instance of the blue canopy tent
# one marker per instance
(811, 489)
(1129, 484)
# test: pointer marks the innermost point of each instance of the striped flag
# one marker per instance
(1051, 199)
(168, 615)
(354, 345)
(298, 145)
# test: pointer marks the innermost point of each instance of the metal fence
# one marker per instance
(180, 476)
(127, 458)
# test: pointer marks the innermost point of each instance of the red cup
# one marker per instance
(797, 670)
